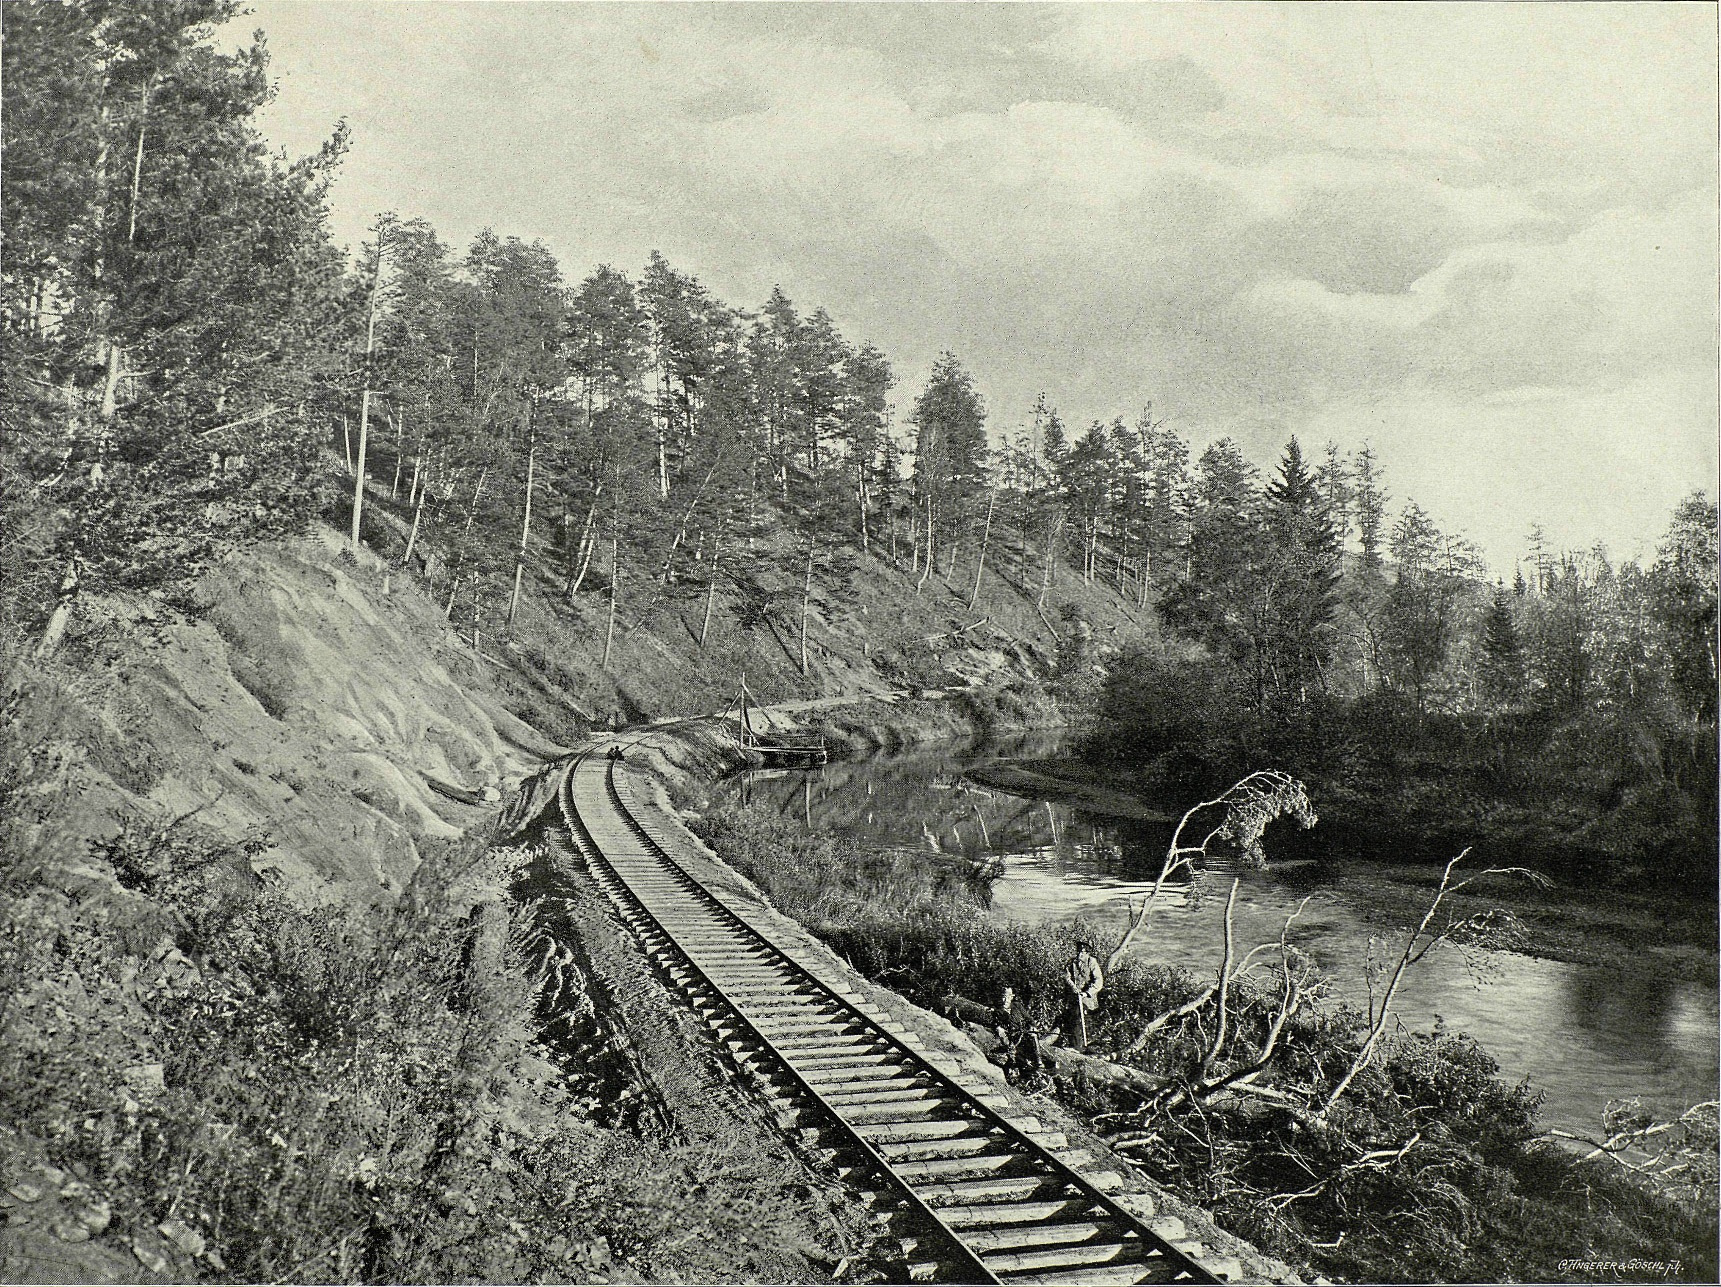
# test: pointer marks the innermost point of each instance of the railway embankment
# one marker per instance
(273, 797)
(674, 765)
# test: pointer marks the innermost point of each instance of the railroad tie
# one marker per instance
(990, 1199)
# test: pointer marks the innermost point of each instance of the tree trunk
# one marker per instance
(364, 401)
(111, 382)
(588, 542)
(412, 537)
(687, 519)
(399, 454)
(615, 582)
(1051, 562)
(806, 605)
(460, 550)
(111, 378)
(62, 616)
(525, 534)
(662, 465)
(710, 592)
(359, 472)
(985, 537)
(861, 500)
(926, 572)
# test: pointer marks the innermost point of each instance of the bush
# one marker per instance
(258, 1091)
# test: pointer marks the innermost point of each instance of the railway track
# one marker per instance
(992, 1204)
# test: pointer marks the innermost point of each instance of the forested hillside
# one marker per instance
(193, 366)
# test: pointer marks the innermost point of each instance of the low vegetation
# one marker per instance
(232, 1084)
(1327, 1136)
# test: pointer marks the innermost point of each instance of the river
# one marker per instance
(1582, 1034)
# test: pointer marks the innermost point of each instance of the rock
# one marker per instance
(24, 1192)
(145, 1080)
(1170, 1228)
(1140, 1205)
(97, 1216)
(1227, 1267)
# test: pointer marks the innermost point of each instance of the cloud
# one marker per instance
(1628, 291)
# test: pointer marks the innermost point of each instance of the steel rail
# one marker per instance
(1156, 1253)
(570, 815)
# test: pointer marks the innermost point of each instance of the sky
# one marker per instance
(1480, 237)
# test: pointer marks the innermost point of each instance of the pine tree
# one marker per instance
(862, 426)
(949, 418)
(1168, 497)
(1303, 563)
(1225, 597)
(1684, 578)
(1085, 482)
(772, 349)
(1419, 620)
(1502, 662)
(1337, 491)
(688, 332)
(168, 414)
(1370, 500)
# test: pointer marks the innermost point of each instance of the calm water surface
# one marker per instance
(1582, 1034)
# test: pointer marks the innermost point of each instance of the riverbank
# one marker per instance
(934, 944)
(677, 765)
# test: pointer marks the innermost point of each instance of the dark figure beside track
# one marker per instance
(1082, 983)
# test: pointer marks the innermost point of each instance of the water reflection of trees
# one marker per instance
(1625, 1012)
(926, 804)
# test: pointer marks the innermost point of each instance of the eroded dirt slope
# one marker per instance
(301, 702)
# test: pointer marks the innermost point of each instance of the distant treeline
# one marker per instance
(1567, 719)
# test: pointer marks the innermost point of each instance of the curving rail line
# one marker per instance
(996, 1205)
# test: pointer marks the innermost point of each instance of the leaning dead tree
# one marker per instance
(1678, 1154)
(1272, 982)
(1237, 818)
(1232, 823)
(1490, 930)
